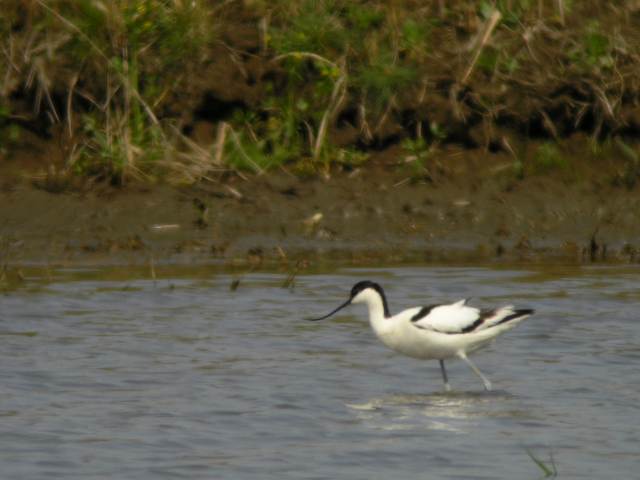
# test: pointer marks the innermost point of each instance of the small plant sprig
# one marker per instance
(549, 469)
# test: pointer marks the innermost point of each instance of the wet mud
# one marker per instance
(476, 210)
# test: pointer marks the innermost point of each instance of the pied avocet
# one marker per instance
(436, 332)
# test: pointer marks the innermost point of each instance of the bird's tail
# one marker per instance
(498, 322)
(507, 314)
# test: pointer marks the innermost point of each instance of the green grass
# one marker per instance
(120, 57)
(549, 158)
(369, 51)
(594, 49)
(327, 56)
(109, 74)
(9, 132)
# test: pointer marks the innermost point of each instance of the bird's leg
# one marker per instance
(485, 380)
(447, 387)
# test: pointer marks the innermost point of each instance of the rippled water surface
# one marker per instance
(184, 378)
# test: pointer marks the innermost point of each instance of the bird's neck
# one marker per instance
(378, 312)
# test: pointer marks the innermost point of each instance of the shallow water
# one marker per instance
(183, 378)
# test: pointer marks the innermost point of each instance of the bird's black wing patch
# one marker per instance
(484, 314)
(423, 312)
(516, 314)
(475, 325)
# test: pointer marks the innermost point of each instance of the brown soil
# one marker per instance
(472, 210)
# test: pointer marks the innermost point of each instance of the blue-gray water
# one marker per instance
(183, 378)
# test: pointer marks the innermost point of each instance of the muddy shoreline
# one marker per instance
(369, 216)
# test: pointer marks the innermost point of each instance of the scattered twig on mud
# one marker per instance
(489, 27)
(221, 137)
(312, 222)
(281, 252)
(160, 227)
(402, 182)
(234, 192)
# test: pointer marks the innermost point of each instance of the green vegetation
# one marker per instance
(548, 158)
(118, 82)
(9, 132)
(595, 51)
(549, 469)
(115, 63)
(418, 154)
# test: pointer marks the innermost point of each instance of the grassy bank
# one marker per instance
(190, 90)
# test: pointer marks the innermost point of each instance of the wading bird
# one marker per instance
(436, 332)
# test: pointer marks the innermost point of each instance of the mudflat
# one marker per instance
(472, 210)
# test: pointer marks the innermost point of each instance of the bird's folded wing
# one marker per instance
(453, 318)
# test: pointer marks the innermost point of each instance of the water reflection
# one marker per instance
(453, 411)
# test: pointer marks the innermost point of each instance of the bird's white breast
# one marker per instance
(400, 335)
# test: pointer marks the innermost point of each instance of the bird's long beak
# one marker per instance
(345, 304)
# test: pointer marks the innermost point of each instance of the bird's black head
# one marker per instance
(360, 286)
(357, 288)
(363, 285)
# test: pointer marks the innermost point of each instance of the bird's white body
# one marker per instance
(437, 332)
(436, 336)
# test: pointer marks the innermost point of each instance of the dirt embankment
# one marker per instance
(488, 76)
(476, 211)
